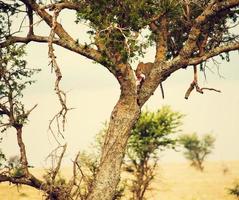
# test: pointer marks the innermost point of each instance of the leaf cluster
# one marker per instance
(154, 131)
(7, 10)
(14, 73)
(12, 166)
(14, 78)
(217, 29)
(132, 17)
(120, 22)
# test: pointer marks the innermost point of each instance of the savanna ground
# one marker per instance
(175, 181)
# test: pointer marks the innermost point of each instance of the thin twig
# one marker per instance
(58, 166)
(212, 89)
(73, 182)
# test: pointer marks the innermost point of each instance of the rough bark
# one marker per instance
(23, 157)
(123, 117)
(128, 107)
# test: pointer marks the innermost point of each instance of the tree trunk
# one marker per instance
(138, 186)
(123, 117)
(141, 183)
(23, 155)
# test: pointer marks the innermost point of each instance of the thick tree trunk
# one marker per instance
(123, 117)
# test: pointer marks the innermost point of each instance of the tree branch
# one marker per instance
(30, 181)
(161, 39)
(60, 93)
(56, 170)
(4, 110)
(194, 84)
(24, 181)
(165, 69)
(63, 5)
(214, 52)
(30, 17)
(66, 40)
(72, 46)
(212, 9)
(23, 156)
(35, 38)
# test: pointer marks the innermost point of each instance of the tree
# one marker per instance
(14, 78)
(197, 149)
(234, 190)
(153, 133)
(184, 33)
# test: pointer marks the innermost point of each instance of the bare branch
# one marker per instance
(24, 181)
(77, 191)
(73, 181)
(29, 111)
(212, 89)
(194, 84)
(30, 17)
(4, 110)
(56, 170)
(15, 39)
(189, 90)
(29, 180)
(60, 93)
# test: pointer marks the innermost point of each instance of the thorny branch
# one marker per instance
(78, 191)
(55, 171)
(60, 93)
(50, 177)
(81, 181)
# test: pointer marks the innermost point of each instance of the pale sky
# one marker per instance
(93, 92)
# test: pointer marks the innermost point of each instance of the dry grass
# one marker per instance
(182, 182)
(176, 181)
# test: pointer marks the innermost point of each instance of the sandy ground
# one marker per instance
(175, 181)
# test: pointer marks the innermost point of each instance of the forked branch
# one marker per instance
(194, 85)
(58, 166)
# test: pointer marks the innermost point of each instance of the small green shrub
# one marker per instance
(234, 190)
